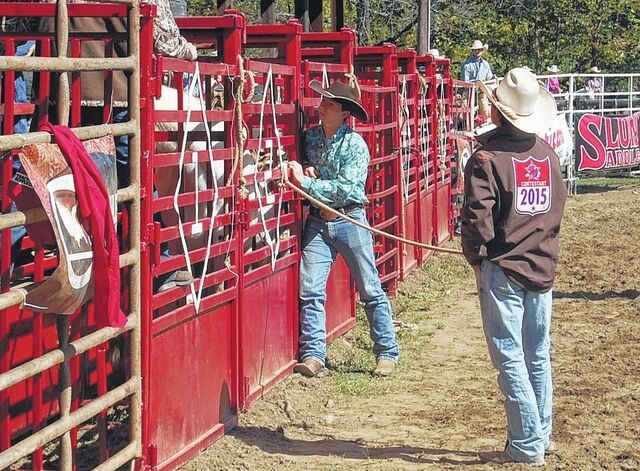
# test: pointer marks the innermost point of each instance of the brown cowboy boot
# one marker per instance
(308, 368)
(384, 367)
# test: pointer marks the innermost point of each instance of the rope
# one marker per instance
(274, 243)
(423, 83)
(353, 81)
(196, 87)
(424, 129)
(373, 230)
(240, 99)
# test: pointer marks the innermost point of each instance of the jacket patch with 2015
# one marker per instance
(533, 185)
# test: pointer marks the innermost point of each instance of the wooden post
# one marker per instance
(268, 11)
(337, 15)
(424, 26)
(315, 15)
(302, 13)
(224, 5)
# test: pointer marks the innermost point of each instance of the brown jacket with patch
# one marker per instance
(515, 199)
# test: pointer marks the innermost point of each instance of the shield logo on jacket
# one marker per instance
(533, 185)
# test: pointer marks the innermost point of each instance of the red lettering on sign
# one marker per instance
(592, 155)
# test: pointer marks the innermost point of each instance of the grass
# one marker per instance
(601, 183)
(416, 310)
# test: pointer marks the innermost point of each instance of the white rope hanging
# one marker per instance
(197, 226)
(274, 244)
(405, 139)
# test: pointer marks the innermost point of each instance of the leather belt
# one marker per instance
(327, 216)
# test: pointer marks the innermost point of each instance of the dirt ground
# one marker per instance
(443, 406)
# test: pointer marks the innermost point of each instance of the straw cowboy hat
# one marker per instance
(435, 53)
(553, 69)
(347, 96)
(522, 101)
(594, 70)
(477, 44)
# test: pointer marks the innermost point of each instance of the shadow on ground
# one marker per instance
(275, 442)
(630, 294)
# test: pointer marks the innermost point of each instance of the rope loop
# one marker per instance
(424, 86)
(353, 81)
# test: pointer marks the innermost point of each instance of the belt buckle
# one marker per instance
(327, 215)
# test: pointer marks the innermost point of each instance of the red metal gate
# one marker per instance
(191, 348)
(376, 69)
(410, 158)
(271, 214)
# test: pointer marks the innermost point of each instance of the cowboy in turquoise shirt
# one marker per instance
(335, 162)
(340, 161)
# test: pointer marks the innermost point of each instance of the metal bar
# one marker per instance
(31, 216)
(135, 430)
(61, 64)
(56, 429)
(64, 385)
(14, 298)
(16, 141)
(62, 43)
(55, 357)
(125, 455)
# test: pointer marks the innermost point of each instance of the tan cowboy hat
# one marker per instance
(347, 96)
(594, 70)
(477, 44)
(553, 69)
(435, 53)
(522, 101)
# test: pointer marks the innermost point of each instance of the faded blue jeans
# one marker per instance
(322, 242)
(516, 325)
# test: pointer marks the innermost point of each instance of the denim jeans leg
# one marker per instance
(503, 311)
(122, 151)
(317, 257)
(356, 247)
(537, 343)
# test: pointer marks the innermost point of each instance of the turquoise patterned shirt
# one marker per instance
(341, 162)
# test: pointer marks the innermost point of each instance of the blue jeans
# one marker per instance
(322, 242)
(516, 325)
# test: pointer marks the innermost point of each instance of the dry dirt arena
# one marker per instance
(443, 406)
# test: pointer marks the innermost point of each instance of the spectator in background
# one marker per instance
(553, 82)
(475, 67)
(594, 85)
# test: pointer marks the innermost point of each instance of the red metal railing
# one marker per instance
(59, 376)
(191, 348)
(376, 69)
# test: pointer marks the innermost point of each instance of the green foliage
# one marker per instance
(574, 34)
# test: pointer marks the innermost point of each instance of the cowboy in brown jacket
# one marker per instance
(515, 198)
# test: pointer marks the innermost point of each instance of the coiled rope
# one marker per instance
(239, 99)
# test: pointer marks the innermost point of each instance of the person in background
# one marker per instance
(334, 171)
(594, 85)
(553, 82)
(515, 199)
(476, 67)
